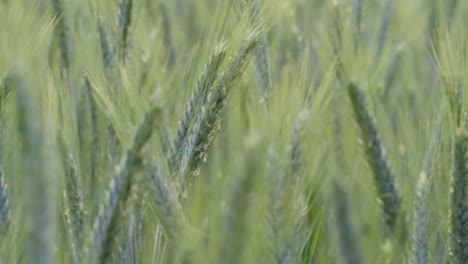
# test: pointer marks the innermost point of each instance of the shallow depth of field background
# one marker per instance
(281, 173)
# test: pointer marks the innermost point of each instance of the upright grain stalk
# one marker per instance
(236, 221)
(375, 154)
(107, 53)
(39, 203)
(199, 96)
(349, 246)
(5, 89)
(87, 132)
(296, 155)
(459, 197)
(420, 221)
(454, 91)
(124, 25)
(382, 37)
(5, 209)
(62, 33)
(94, 130)
(166, 201)
(275, 217)
(207, 123)
(74, 211)
(106, 224)
(261, 53)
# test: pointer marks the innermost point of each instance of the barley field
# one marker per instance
(233, 131)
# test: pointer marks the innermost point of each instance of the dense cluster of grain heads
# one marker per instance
(187, 132)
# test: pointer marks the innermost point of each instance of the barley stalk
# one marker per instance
(454, 92)
(39, 205)
(199, 96)
(62, 33)
(459, 197)
(114, 147)
(166, 201)
(348, 243)
(207, 123)
(236, 226)
(375, 154)
(420, 236)
(87, 130)
(276, 216)
(73, 195)
(167, 36)
(295, 145)
(263, 69)
(103, 234)
(128, 240)
(391, 72)
(5, 209)
(349, 250)
(420, 222)
(94, 130)
(384, 28)
(261, 57)
(5, 89)
(124, 24)
(107, 53)
(130, 244)
(338, 139)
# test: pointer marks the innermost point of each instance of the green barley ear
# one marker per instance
(124, 25)
(295, 151)
(5, 89)
(261, 53)
(74, 211)
(62, 34)
(5, 209)
(128, 238)
(383, 176)
(38, 192)
(263, 69)
(199, 96)
(420, 221)
(453, 91)
(87, 110)
(207, 123)
(275, 218)
(106, 224)
(459, 197)
(107, 53)
(447, 45)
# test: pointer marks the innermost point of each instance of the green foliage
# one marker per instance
(233, 131)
